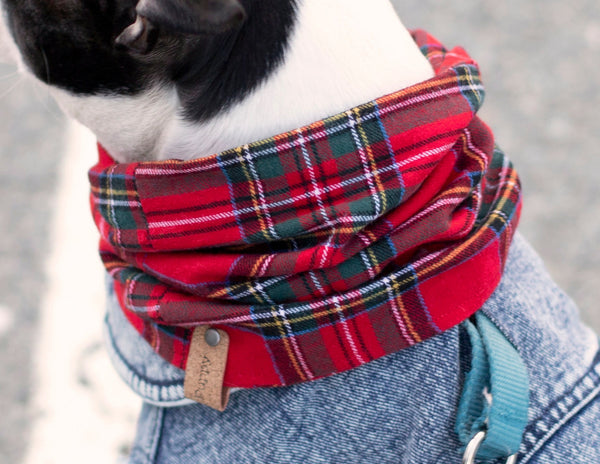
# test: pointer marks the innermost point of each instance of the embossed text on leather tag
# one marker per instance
(205, 368)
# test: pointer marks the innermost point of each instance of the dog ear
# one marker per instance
(140, 36)
(193, 16)
(179, 16)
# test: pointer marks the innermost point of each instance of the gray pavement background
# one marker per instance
(31, 141)
(540, 64)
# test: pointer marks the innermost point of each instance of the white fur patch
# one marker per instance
(130, 128)
(342, 53)
(9, 53)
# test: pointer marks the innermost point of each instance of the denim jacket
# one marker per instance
(398, 409)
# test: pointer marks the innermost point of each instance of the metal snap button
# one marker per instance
(212, 337)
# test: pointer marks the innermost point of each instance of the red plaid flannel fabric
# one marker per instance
(323, 248)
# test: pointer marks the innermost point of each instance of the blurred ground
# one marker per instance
(30, 146)
(539, 61)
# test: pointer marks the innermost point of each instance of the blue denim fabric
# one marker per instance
(398, 409)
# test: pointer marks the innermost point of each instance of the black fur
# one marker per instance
(229, 66)
(71, 44)
(193, 17)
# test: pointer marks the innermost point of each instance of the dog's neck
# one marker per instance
(341, 53)
(338, 57)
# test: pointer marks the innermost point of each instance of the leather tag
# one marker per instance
(205, 368)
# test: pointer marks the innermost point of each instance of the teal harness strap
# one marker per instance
(495, 397)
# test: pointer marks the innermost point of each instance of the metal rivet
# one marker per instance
(212, 337)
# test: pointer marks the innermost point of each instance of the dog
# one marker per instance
(206, 96)
(184, 79)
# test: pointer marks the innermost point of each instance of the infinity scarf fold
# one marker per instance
(323, 248)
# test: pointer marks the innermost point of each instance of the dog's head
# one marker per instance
(105, 59)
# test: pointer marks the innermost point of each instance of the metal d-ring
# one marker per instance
(473, 447)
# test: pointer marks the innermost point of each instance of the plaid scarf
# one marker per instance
(323, 248)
